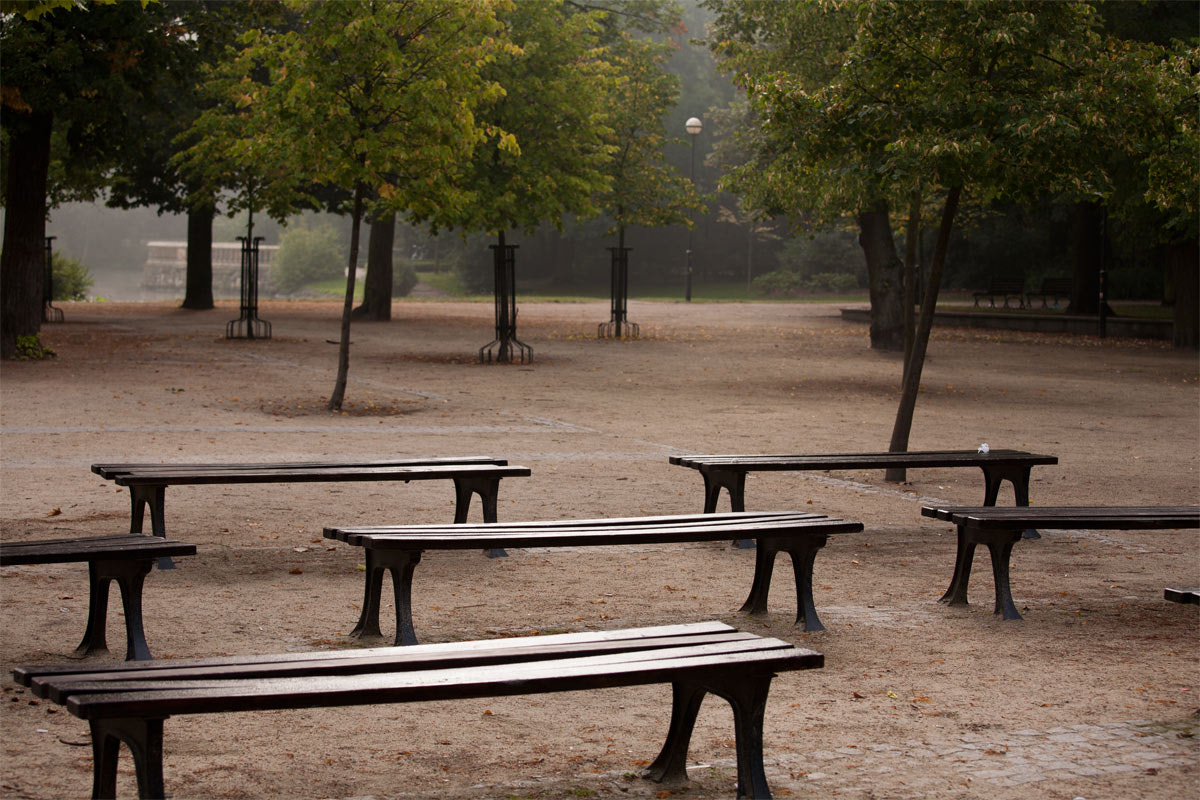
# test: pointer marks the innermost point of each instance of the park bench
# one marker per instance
(398, 549)
(1003, 287)
(148, 482)
(126, 559)
(729, 471)
(1188, 596)
(1052, 288)
(1000, 528)
(130, 703)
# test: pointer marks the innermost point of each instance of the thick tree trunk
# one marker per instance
(912, 268)
(377, 285)
(199, 295)
(912, 370)
(884, 276)
(23, 260)
(339, 386)
(1087, 245)
(1183, 263)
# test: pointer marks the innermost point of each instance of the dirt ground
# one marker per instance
(1093, 694)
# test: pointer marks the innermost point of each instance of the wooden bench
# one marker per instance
(129, 704)
(1000, 528)
(1054, 288)
(1002, 287)
(148, 482)
(729, 471)
(126, 559)
(398, 549)
(1188, 596)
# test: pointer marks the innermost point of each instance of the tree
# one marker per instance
(372, 97)
(70, 73)
(552, 148)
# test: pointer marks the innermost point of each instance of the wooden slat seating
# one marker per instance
(148, 483)
(126, 559)
(1004, 287)
(1056, 289)
(729, 471)
(398, 549)
(1187, 596)
(1000, 528)
(130, 703)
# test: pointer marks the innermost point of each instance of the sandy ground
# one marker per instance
(1093, 694)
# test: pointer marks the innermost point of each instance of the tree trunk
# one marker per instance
(912, 370)
(1183, 263)
(339, 387)
(1087, 245)
(199, 295)
(23, 260)
(883, 276)
(377, 285)
(912, 267)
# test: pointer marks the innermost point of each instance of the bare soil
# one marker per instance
(1093, 694)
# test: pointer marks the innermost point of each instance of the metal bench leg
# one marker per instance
(131, 577)
(671, 764)
(956, 595)
(1019, 478)
(764, 565)
(155, 497)
(803, 554)
(747, 695)
(401, 564)
(368, 615)
(402, 592)
(488, 489)
(734, 482)
(144, 738)
(94, 640)
(1001, 553)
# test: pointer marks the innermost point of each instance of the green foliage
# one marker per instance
(834, 252)
(784, 283)
(307, 255)
(404, 277)
(70, 278)
(30, 348)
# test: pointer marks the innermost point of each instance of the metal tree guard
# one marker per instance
(504, 260)
(618, 323)
(248, 325)
(49, 312)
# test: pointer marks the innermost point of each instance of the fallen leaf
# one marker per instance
(893, 695)
(296, 571)
(54, 512)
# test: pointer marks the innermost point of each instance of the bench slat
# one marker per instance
(606, 522)
(109, 470)
(1063, 517)
(801, 461)
(322, 475)
(62, 551)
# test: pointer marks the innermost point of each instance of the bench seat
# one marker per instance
(147, 483)
(1000, 528)
(126, 559)
(129, 704)
(1004, 288)
(398, 549)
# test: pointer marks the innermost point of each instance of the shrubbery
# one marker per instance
(307, 255)
(404, 277)
(71, 279)
(791, 284)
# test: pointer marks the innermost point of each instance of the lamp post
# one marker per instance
(693, 128)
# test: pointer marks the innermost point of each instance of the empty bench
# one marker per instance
(1003, 288)
(130, 703)
(126, 559)
(1055, 289)
(148, 482)
(1000, 528)
(398, 549)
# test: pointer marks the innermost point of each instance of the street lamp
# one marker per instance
(693, 128)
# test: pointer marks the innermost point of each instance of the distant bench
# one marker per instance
(471, 475)
(1000, 528)
(126, 559)
(399, 548)
(130, 703)
(729, 471)
(1004, 288)
(1052, 288)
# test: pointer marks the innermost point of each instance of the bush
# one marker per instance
(71, 279)
(404, 277)
(307, 255)
(783, 283)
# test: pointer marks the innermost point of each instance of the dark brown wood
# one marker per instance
(1000, 528)
(398, 549)
(130, 704)
(1004, 287)
(61, 551)
(1187, 596)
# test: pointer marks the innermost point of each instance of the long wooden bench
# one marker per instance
(398, 549)
(126, 559)
(1000, 528)
(1003, 287)
(129, 704)
(1052, 288)
(729, 472)
(471, 475)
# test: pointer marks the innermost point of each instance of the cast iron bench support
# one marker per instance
(1000, 528)
(728, 472)
(148, 483)
(130, 704)
(398, 549)
(126, 559)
